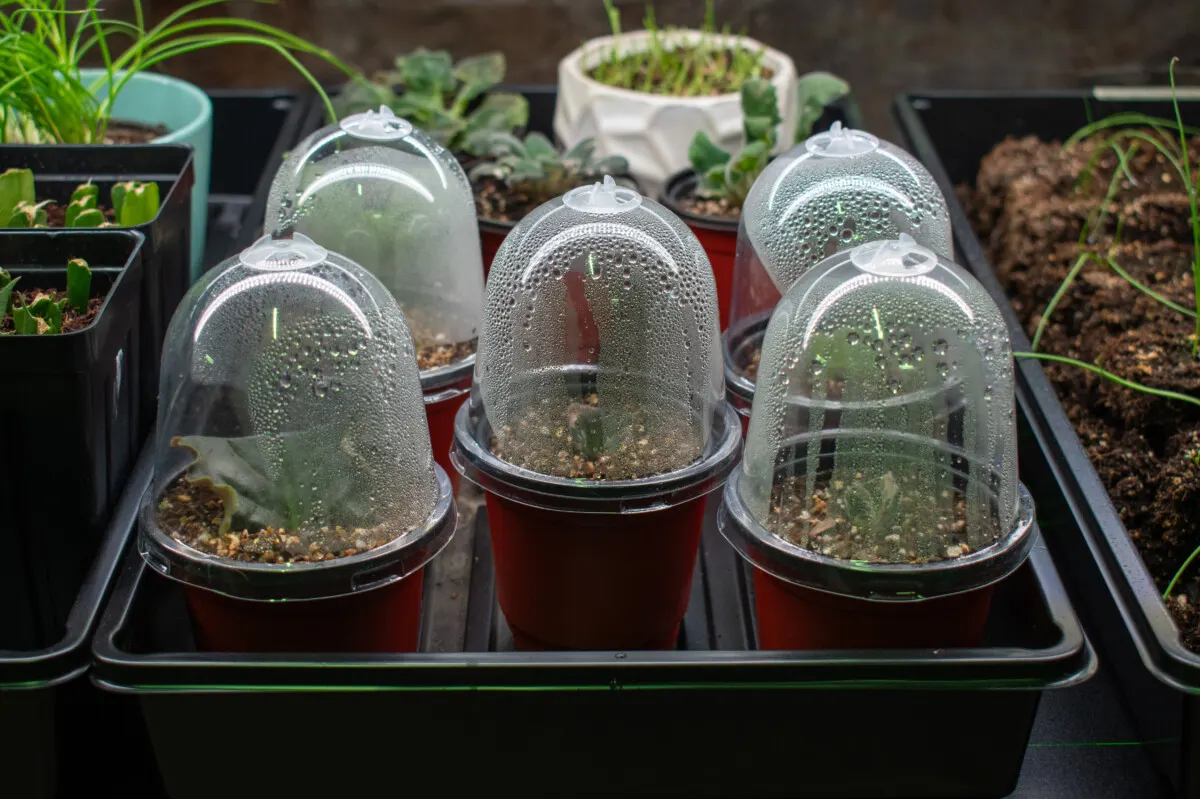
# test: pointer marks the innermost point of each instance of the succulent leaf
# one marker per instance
(7, 284)
(705, 154)
(86, 190)
(817, 90)
(79, 284)
(83, 217)
(139, 205)
(16, 187)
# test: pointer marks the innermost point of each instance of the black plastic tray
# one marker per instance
(166, 252)
(950, 132)
(747, 723)
(252, 131)
(69, 407)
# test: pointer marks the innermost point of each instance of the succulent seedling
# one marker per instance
(135, 203)
(816, 90)
(44, 315)
(537, 169)
(437, 95)
(723, 175)
(16, 187)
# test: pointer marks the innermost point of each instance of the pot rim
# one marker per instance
(442, 383)
(195, 93)
(883, 582)
(267, 582)
(737, 385)
(780, 63)
(494, 475)
(676, 187)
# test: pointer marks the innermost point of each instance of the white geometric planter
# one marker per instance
(654, 130)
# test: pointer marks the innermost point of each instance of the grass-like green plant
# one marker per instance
(45, 99)
(540, 171)
(44, 316)
(1129, 130)
(724, 175)
(675, 65)
(429, 90)
(133, 202)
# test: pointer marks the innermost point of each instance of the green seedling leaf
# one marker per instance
(139, 205)
(42, 316)
(513, 107)
(538, 146)
(476, 75)
(705, 154)
(267, 480)
(759, 100)
(79, 284)
(16, 187)
(118, 196)
(816, 90)
(87, 190)
(427, 72)
(29, 215)
(7, 284)
(80, 214)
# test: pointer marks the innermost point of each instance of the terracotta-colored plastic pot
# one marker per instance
(718, 236)
(387, 619)
(491, 236)
(790, 616)
(805, 600)
(593, 565)
(370, 602)
(571, 580)
(445, 391)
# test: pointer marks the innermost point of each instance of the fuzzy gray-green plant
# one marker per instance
(539, 170)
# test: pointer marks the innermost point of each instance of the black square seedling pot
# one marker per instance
(712, 718)
(252, 131)
(56, 729)
(950, 132)
(58, 169)
(70, 424)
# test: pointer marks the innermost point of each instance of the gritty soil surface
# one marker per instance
(132, 132)
(435, 354)
(706, 61)
(705, 207)
(911, 530)
(1029, 206)
(72, 321)
(191, 511)
(56, 215)
(494, 200)
(750, 368)
(571, 442)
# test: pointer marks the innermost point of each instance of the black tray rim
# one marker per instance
(1151, 628)
(1069, 661)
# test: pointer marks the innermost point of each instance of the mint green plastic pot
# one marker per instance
(186, 111)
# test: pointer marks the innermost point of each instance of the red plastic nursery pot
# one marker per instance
(444, 391)
(593, 565)
(369, 602)
(386, 619)
(718, 236)
(491, 236)
(805, 600)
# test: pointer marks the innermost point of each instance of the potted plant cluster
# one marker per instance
(514, 176)
(598, 426)
(373, 188)
(878, 499)
(69, 335)
(1084, 219)
(645, 94)
(294, 492)
(837, 190)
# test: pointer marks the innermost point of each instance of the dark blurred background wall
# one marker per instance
(880, 46)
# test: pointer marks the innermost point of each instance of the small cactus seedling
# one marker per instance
(44, 315)
(135, 203)
(16, 187)
(84, 208)
(538, 170)
(727, 176)
(27, 214)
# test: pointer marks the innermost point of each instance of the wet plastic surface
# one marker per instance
(951, 132)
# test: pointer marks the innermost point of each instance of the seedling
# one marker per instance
(133, 203)
(537, 169)
(816, 90)
(43, 97)
(677, 66)
(437, 95)
(44, 315)
(16, 187)
(722, 175)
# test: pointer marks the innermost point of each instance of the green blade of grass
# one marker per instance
(1158, 392)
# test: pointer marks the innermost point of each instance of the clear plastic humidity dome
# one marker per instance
(883, 427)
(835, 191)
(291, 432)
(600, 355)
(390, 198)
